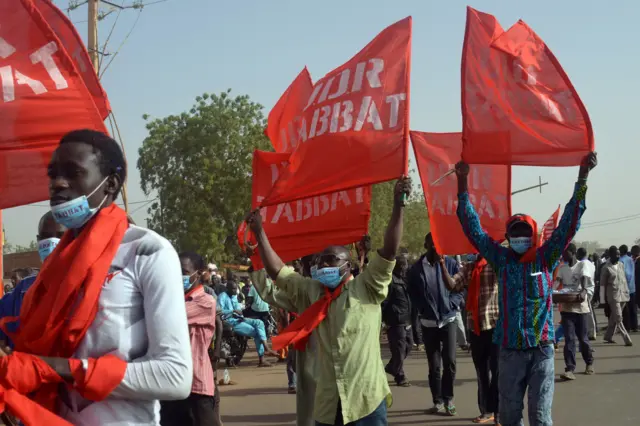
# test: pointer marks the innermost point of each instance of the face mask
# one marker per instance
(46, 247)
(186, 281)
(520, 244)
(75, 213)
(329, 277)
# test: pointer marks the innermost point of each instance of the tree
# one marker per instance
(199, 165)
(8, 248)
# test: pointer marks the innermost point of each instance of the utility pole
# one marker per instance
(92, 37)
(539, 185)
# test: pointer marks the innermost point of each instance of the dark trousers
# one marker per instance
(416, 328)
(630, 314)
(485, 356)
(400, 344)
(440, 345)
(377, 418)
(575, 327)
(196, 410)
(291, 368)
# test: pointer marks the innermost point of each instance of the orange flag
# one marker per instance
(354, 128)
(43, 96)
(284, 118)
(489, 191)
(549, 226)
(305, 226)
(518, 105)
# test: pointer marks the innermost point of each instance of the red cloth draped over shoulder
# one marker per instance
(62, 304)
(473, 294)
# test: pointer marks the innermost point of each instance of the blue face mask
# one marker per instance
(329, 277)
(520, 244)
(46, 247)
(186, 281)
(75, 213)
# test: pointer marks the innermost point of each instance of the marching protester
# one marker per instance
(431, 282)
(257, 308)
(129, 328)
(630, 312)
(614, 280)
(250, 327)
(49, 234)
(587, 271)
(199, 408)
(396, 314)
(525, 326)
(576, 277)
(483, 311)
(345, 316)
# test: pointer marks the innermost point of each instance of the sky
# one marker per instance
(179, 49)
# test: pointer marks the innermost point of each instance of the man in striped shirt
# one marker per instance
(199, 408)
(524, 329)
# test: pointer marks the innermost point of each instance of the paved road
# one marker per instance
(611, 397)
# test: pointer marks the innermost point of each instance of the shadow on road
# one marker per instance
(262, 419)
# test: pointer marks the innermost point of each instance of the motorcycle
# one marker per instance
(233, 345)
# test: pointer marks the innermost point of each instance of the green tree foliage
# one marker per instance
(8, 248)
(416, 219)
(198, 164)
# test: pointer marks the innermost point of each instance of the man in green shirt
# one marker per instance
(351, 387)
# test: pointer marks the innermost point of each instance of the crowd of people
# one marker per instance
(106, 314)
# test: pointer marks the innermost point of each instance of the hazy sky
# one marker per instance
(182, 48)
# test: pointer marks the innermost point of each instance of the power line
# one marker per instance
(612, 221)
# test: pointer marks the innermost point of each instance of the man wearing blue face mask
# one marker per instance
(524, 330)
(49, 234)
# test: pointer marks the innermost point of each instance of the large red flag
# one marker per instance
(284, 118)
(354, 129)
(305, 226)
(74, 46)
(489, 191)
(43, 97)
(549, 226)
(518, 105)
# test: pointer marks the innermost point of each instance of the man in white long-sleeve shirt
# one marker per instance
(141, 315)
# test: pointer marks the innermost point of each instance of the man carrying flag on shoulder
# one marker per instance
(345, 315)
(106, 314)
(524, 330)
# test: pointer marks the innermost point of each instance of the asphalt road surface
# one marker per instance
(611, 397)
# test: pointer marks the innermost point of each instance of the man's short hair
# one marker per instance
(196, 260)
(581, 253)
(111, 158)
(571, 248)
(624, 249)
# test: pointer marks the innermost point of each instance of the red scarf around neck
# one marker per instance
(61, 305)
(298, 332)
(473, 295)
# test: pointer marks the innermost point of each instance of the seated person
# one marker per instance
(232, 311)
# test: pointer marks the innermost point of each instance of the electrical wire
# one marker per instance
(126, 38)
(113, 27)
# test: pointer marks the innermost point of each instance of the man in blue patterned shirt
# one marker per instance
(524, 330)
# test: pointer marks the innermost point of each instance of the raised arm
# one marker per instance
(393, 234)
(573, 211)
(272, 262)
(270, 293)
(478, 237)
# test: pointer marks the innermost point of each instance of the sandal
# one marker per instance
(451, 410)
(483, 418)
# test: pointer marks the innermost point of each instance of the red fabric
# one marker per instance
(518, 105)
(549, 226)
(30, 413)
(63, 302)
(101, 377)
(285, 115)
(298, 332)
(74, 46)
(473, 294)
(25, 373)
(489, 191)
(42, 97)
(355, 124)
(530, 254)
(306, 226)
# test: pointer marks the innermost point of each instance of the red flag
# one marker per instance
(305, 226)
(549, 226)
(74, 46)
(518, 105)
(42, 97)
(285, 115)
(354, 129)
(489, 191)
